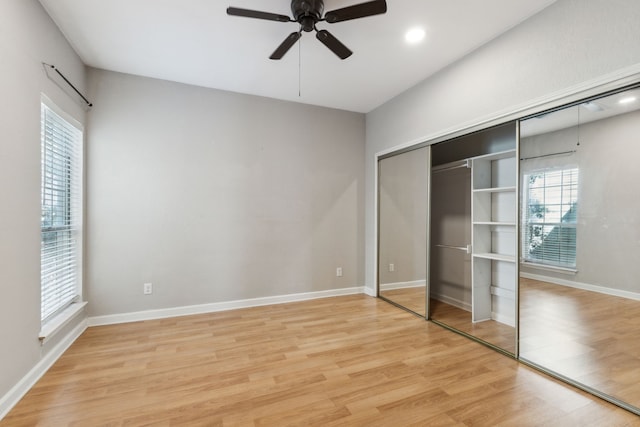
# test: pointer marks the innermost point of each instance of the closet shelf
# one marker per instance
(496, 257)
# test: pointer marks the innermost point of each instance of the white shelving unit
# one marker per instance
(494, 237)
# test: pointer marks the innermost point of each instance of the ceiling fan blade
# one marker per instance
(285, 46)
(333, 44)
(247, 13)
(361, 10)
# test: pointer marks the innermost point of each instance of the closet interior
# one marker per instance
(473, 275)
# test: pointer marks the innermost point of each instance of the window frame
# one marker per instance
(73, 211)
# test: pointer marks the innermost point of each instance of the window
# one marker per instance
(550, 216)
(60, 229)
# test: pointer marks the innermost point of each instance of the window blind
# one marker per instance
(550, 217)
(61, 144)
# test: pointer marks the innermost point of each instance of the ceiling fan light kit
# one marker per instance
(308, 13)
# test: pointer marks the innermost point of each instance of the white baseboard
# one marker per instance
(219, 306)
(403, 285)
(452, 301)
(370, 292)
(584, 286)
(13, 396)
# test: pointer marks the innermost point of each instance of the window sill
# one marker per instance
(55, 325)
(564, 270)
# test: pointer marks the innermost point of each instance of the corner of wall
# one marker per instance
(17, 392)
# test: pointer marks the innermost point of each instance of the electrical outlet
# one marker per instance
(147, 288)
(392, 267)
(339, 272)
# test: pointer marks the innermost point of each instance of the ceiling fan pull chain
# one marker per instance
(299, 68)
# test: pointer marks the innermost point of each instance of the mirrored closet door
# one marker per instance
(403, 197)
(580, 245)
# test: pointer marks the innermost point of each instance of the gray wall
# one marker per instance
(27, 38)
(214, 196)
(564, 46)
(608, 236)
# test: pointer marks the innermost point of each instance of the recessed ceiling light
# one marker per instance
(627, 100)
(414, 35)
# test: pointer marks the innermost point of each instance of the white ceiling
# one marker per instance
(195, 42)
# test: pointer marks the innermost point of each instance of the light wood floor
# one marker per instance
(496, 333)
(414, 299)
(352, 360)
(587, 336)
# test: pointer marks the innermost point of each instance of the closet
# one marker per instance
(529, 233)
(473, 233)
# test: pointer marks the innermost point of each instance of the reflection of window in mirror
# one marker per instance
(550, 202)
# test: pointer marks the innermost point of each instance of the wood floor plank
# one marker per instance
(352, 360)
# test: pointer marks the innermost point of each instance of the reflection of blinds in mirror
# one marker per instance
(550, 216)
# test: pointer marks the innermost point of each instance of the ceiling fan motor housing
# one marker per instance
(307, 12)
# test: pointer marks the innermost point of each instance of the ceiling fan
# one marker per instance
(308, 13)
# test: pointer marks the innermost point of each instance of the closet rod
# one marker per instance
(549, 155)
(445, 168)
(467, 248)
